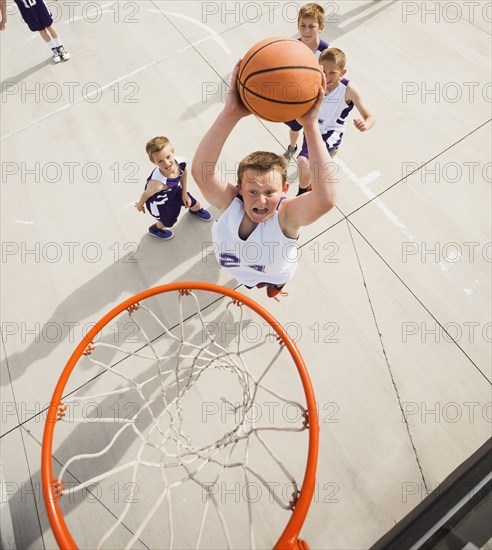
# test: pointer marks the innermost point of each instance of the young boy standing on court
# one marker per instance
(255, 238)
(166, 190)
(340, 97)
(310, 22)
(38, 18)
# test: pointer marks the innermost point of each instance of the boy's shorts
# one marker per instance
(38, 17)
(169, 215)
(304, 151)
(294, 125)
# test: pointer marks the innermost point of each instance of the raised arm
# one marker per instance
(3, 12)
(307, 208)
(204, 168)
(368, 120)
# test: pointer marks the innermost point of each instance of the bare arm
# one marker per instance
(184, 185)
(307, 208)
(3, 11)
(204, 167)
(153, 187)
(368, 120)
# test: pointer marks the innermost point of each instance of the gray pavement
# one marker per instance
(392, 298)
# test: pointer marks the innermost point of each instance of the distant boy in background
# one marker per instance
(38, 18)
(166, 189)
(310, 22)
(340, 97)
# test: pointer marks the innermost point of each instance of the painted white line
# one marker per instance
(25, 222)
(213, 34)
(362, 184)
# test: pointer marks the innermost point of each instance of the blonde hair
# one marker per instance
(155, 145)
(312, 10)
(334, 55)
(263, 161)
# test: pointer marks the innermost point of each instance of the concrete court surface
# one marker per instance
(391, 301)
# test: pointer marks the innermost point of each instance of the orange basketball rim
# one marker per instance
(289, 539)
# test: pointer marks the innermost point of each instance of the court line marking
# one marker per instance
(101, 89)
(363, 184)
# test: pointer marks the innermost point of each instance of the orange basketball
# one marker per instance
(279, 79)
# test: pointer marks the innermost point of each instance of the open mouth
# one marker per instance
(260, 211)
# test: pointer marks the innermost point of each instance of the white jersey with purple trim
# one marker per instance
(170, 182)
(266, 256)
(333, 114)
(321, 47)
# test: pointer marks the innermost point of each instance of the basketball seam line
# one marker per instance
(263, 47)
(278, 100)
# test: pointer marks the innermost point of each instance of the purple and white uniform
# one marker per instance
(331, 119)
(166, 205)
(35, 13)
(293, 124)
(266, 256)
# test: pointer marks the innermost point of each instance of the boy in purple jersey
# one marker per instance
(341, 96)
(38, 18)
(310, 22)
(166, 189)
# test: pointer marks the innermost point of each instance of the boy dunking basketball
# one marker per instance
(340, 97)
(38, 18)
(166, 190)
(256, 234)
(310, 22)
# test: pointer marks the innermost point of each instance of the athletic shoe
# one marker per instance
(301, 191)
(165, 234)
(273, 290)
(64, 54)
(202, 214)
(290, 152)
(56, 55)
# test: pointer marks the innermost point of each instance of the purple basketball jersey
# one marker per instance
(35, 13)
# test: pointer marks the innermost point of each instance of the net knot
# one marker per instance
(294, 499)
(305, 422)
(60, 413)
(133, 307)
(89, 349)
(58, 488)
(185, 291)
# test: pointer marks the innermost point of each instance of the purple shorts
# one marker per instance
(37, 16)
(168, 214)
(332, 150)
(294, 125)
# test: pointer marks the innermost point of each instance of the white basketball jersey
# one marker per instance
(333, 114)
(266, 256)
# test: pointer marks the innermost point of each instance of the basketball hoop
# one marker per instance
(220, 344)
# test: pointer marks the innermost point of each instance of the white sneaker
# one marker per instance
(56, 55)
(64, 54)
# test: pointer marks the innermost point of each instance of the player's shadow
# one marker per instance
(154, 262)
(12, 81)
(342, 23)
(92, 436)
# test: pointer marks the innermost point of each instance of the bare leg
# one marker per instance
(52, 31)
(293, 137)
(45, 35)
(303, 170)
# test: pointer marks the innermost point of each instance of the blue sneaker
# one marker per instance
(165, 234)
(202, 214)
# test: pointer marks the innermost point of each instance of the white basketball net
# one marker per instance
(171, 369)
